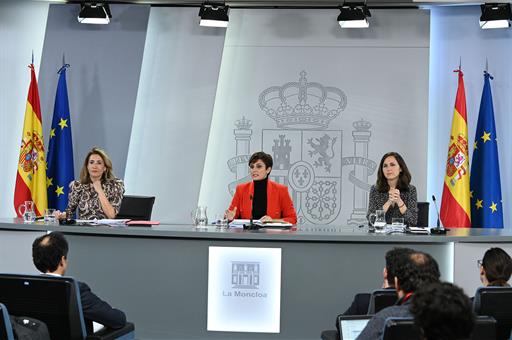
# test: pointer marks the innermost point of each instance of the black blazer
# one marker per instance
(95, 309)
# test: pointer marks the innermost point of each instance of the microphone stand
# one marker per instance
(439, 229)
(251, 225)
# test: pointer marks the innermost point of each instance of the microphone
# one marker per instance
(251, 225)
(439, 229)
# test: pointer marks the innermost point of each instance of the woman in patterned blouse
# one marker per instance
(393, 192)
(98, 193)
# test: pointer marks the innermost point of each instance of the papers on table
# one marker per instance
(239, 223)
(105, 221)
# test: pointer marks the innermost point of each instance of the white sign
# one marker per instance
(244, 289)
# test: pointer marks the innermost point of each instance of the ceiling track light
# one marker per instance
(94, 13)
(214, 14)
(354, 15)
(495, 16)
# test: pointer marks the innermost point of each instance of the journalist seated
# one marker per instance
(49, 254)
(495, 268)
(412, 272)
(443, 312)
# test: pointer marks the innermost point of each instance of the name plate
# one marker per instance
(244, 289)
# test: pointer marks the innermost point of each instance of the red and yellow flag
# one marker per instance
(31, 176)
(455, 205)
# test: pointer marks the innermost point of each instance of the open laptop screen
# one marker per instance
(352, 325)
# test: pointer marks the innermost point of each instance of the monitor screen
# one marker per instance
(350, 327)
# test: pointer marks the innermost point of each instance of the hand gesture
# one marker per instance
(97, 186)
(230, 214)
(266, 218)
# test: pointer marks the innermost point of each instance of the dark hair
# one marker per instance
(416, 269)
(108, 174)
(403, 179)
(443, 312)
(48, 250)
(392, 260)
(498, 266)
(265, 158)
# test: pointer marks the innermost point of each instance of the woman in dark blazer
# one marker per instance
(262, 198)
(393, 192)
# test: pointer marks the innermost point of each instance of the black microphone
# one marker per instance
(251, 225)
(439, 229)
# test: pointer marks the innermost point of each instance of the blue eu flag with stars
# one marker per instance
(486, 207)
(60, 170)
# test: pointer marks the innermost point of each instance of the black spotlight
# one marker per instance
(214, 14)
(94, 13)
(495, 16)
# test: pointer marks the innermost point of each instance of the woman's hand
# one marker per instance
(266, 218)
(97, 186)
(60, 215)
(230, 214)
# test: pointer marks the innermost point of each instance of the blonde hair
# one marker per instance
(108, 174)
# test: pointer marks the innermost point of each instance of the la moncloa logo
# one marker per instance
(245, 275)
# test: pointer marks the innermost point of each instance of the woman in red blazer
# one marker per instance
(265, 199)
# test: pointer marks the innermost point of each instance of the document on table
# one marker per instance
(114, 222)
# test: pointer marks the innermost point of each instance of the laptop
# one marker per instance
(352, 325)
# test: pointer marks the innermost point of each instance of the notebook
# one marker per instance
(352, 325)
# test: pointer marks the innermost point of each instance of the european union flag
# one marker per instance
(486, 208)
(60, 171)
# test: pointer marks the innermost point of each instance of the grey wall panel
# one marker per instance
(173, 112)
(102, 81)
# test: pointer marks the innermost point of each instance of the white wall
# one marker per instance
(173, 112)
(22, 29)
(456, 35)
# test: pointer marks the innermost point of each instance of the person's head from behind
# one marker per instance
(50, 252)
(392, 260)
(415, 270)
(496, 267)
(392, 167)
(97, 166)
(443, 312)
(260, 165)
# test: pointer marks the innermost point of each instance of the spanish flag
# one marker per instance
(455, 205)
(31, 176)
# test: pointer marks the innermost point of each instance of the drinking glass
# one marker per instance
(397, 221)
(49, 216)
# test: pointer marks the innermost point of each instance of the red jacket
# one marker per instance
(279, 202)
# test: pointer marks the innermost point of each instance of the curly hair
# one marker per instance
(498, 266)
(403, 179)
(415, 270)
(443, 312)
(392, 260)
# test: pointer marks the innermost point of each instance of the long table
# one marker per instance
(159, 275)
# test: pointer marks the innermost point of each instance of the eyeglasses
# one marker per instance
(478, 263)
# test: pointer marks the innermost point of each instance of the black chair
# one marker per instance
(5, 324)
(495, 302)
(400, 329)
(56, 302)
(331, 334)
(423, 208)
(485, 328)
(136, 207)
(380, 299)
